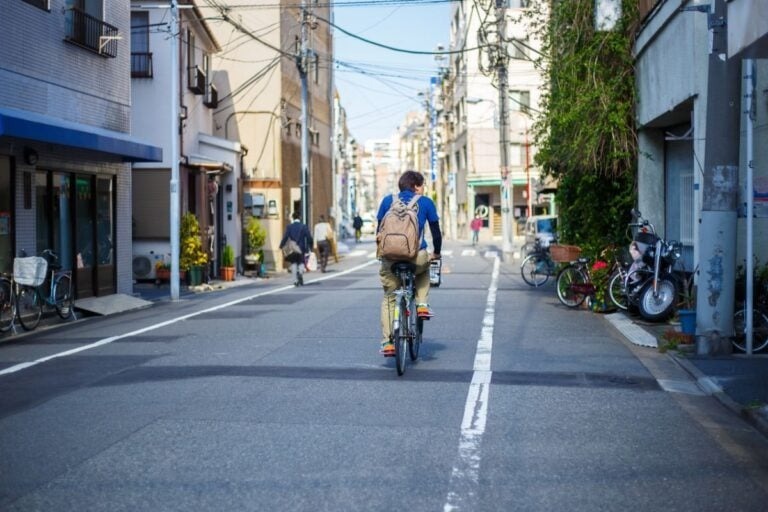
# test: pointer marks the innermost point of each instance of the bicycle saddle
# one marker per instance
(403, 266)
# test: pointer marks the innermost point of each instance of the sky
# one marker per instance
(379, 86)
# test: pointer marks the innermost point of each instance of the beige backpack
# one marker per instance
(398, 237)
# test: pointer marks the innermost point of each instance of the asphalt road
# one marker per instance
(272, 397)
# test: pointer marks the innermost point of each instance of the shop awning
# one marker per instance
(37, 127)
(206, 164)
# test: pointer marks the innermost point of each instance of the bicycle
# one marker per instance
(30, 301)
(407, 327)
(538, 266)
(575, 281)
(759, 324)
(7, 303)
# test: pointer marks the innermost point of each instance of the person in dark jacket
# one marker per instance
(299, 233)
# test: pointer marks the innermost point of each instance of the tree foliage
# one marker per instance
(586, 134)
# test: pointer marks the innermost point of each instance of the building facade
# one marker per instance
(65, 139)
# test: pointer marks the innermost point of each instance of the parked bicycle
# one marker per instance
(7, 303)
(759, 323)
(407, 327)
(538, 266)
(30, 276)
(573, 283)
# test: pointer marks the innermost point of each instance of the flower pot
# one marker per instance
(687, 320)
(227, 273)
(163, 274)
(195, 275)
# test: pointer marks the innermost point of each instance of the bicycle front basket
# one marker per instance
(29, 271)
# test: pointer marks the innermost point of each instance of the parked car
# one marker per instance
(542, 228)
(369, 225)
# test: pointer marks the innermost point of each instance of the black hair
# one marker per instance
(410, 180)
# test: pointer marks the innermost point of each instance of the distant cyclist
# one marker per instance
(357, 224)
(410, 183)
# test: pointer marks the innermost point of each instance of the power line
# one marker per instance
(394, 49)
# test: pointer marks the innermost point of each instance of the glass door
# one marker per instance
(6, 216)
(85, 241)
(105, 226)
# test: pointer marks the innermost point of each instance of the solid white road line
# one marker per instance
(462, 490)
(105, 341)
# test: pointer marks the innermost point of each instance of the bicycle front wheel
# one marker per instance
(400, 335)
(64, 296)
(29, 307)
(759, 330)
(534, 270)
(570, 283)
(7, 305)
(617, 291)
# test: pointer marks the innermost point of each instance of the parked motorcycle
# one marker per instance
(650, 284)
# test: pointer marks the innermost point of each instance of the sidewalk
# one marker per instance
(738, 381)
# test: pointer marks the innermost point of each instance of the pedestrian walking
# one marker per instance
(323, 234)
(296, 244)
(357, 224)
(475, 226)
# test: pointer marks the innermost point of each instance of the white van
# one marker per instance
(542, 228)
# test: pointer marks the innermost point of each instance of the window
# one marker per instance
(520, 101)
(40, 4)
(515, 154)
(518, 49)
(141, 59)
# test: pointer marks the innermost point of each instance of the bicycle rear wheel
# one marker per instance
(414, 345)
(7, 305)
(759, 330)
(569, 282)
(400, 337)
(64, 296)
(29, 307)
(534, 270)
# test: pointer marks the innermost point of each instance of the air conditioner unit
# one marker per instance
(146, 254)
(144, 266)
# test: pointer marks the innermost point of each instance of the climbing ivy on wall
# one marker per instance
(585, 134)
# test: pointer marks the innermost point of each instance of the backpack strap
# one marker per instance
(413, 200)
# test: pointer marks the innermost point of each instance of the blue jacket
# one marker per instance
(427, 211)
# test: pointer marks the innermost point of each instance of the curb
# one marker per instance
(756, 417)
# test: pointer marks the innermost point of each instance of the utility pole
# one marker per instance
(717, 232)
(301, 62)
(501, 73)
(174, 156)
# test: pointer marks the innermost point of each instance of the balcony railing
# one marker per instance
(141, 65)
(211, 99)
(91, 33)
(196, 80)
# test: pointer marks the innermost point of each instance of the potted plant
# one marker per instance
(228, 263)
(162, 270)
(687, 310)
(255, 235)
(192, 257)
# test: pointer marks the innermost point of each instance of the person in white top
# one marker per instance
(322, 233)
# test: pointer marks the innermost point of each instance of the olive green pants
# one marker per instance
(390, 283)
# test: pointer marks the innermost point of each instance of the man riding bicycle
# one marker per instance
(411, 183)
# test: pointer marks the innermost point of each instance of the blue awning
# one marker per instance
(32, 126)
